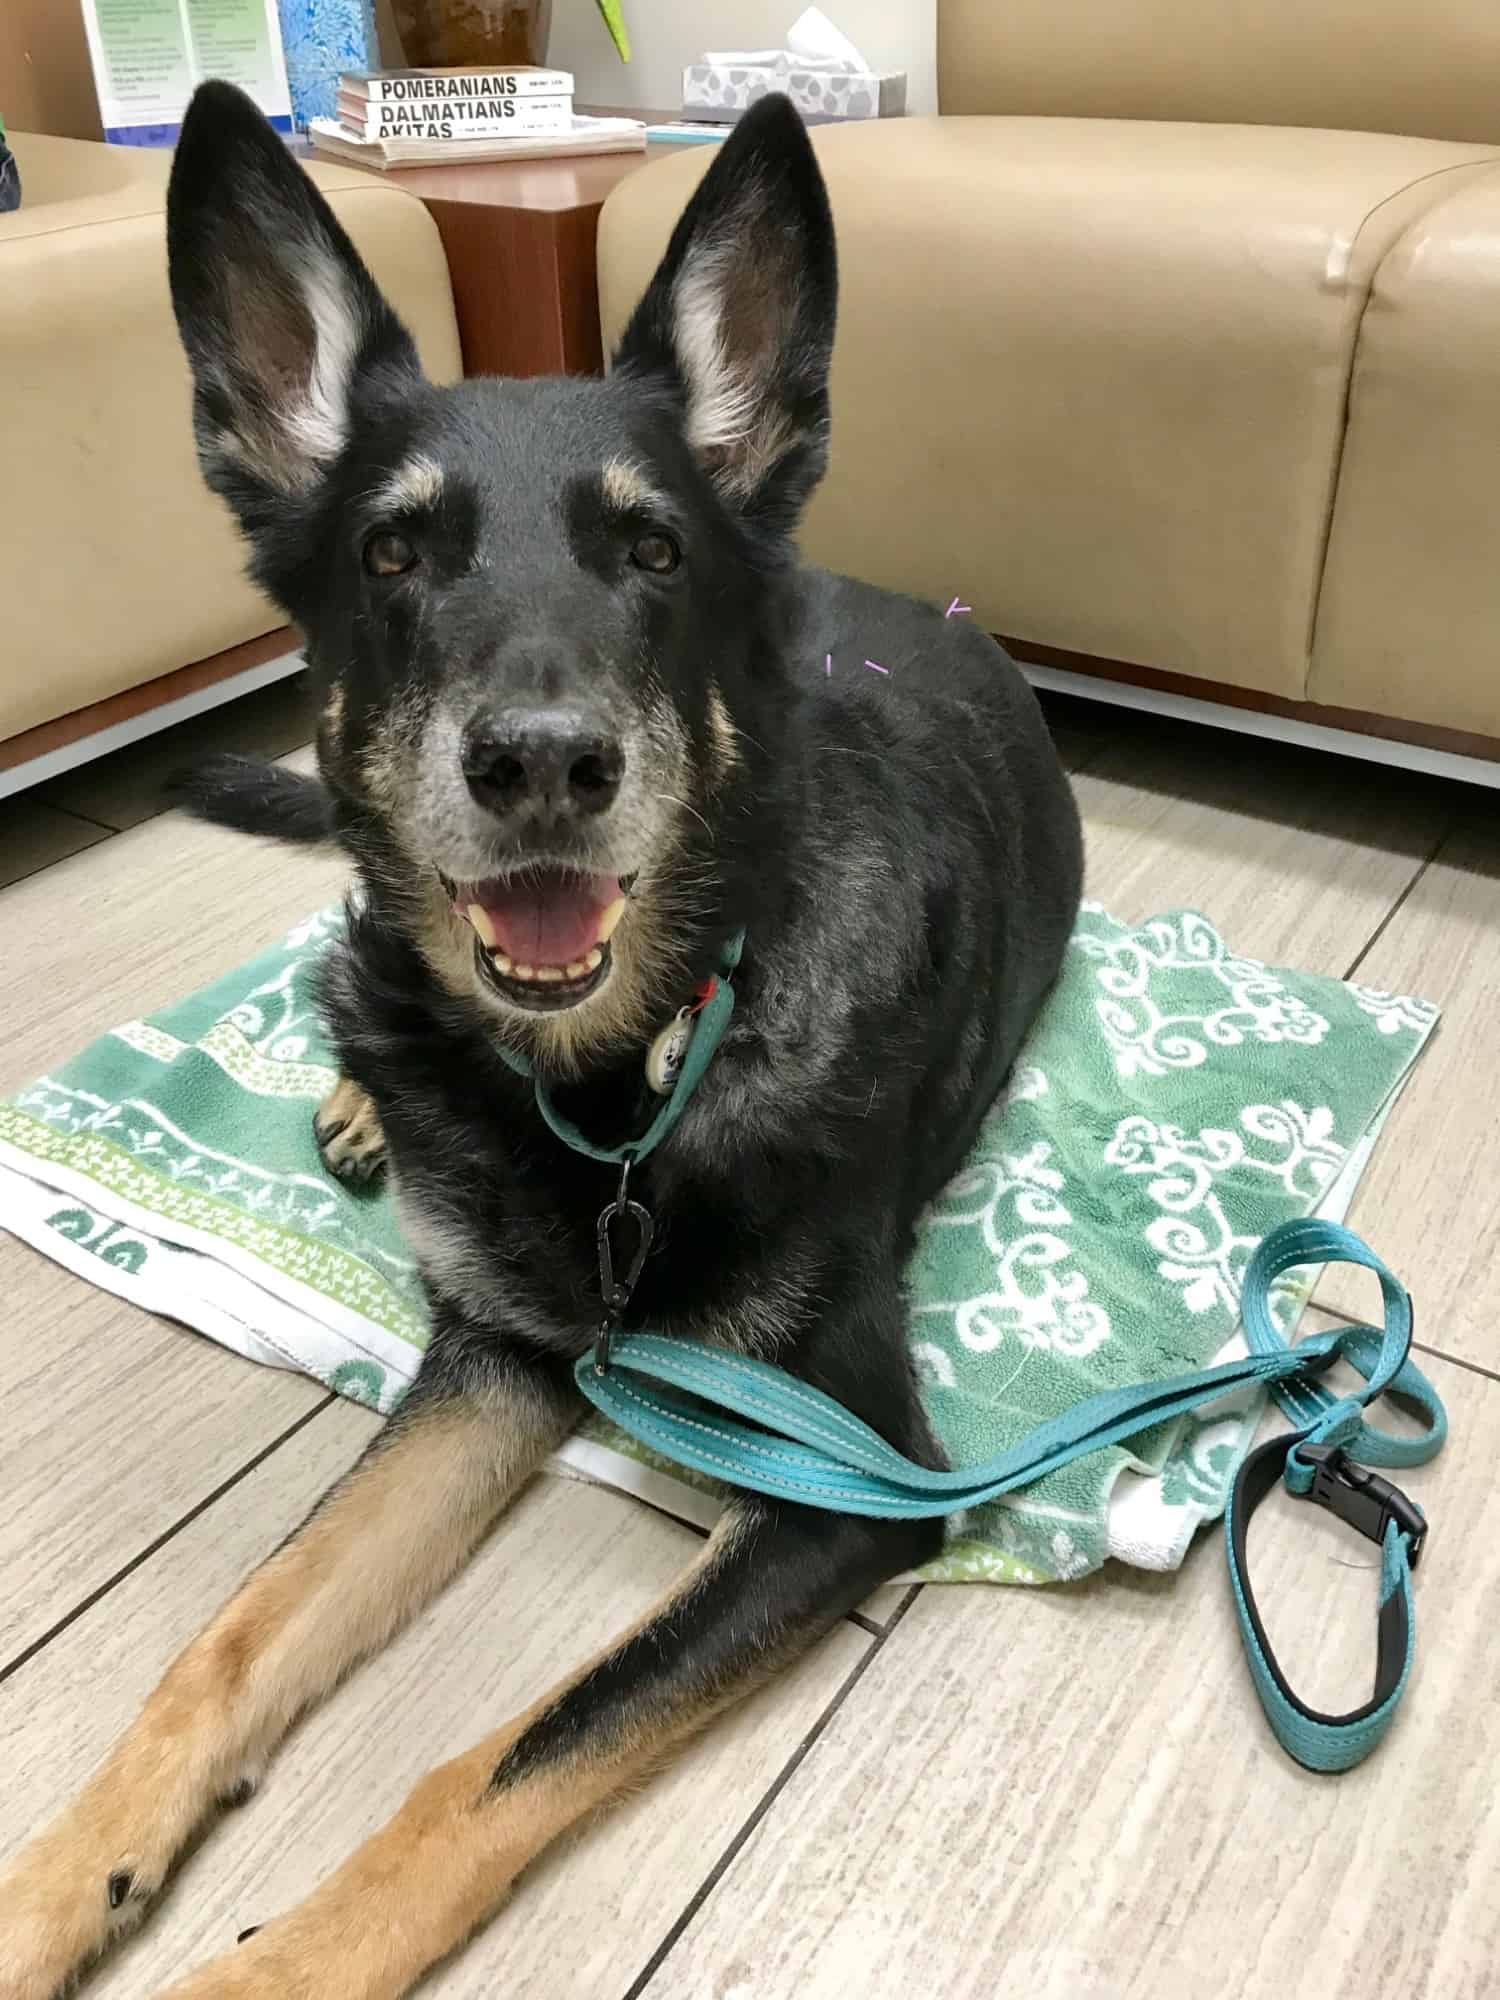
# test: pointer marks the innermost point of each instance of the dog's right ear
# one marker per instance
(284, 327)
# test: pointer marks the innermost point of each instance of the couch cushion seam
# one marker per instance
(1474, 168)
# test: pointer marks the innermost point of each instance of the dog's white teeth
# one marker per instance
(548, 975)
(479, 918)
(610, 918)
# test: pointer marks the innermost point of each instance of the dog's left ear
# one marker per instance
(287, 333)
(739, 317)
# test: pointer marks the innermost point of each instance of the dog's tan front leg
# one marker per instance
(378, 1545)
(768, 1581)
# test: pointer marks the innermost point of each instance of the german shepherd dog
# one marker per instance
(583, 718)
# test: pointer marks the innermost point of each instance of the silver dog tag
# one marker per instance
(665, 1056)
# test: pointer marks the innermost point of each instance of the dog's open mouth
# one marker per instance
(541, 938)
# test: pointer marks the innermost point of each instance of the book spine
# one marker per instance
(614, 136)
(461, 120)
(438, 89)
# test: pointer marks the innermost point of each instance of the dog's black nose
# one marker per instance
(561, 762)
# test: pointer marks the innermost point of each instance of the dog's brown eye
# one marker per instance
(658, 553)
(388, 555)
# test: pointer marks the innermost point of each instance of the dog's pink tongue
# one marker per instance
(548, 919)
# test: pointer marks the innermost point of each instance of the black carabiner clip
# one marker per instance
(615, 1289)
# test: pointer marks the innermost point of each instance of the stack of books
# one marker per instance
(424, 117)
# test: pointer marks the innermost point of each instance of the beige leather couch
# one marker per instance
(1173, 346)
(117, 567)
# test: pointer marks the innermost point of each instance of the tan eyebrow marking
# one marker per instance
(418, 483)
(626, 487)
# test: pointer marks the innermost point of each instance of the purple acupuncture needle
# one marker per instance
(956, 606)
(878, 668)
(828, 663)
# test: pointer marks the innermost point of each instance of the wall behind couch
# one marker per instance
(666, 34)
(46, 84)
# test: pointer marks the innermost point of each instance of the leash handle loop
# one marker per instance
(1319, 1742)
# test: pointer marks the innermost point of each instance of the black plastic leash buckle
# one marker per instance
(615, 1289)
(1361, 1497)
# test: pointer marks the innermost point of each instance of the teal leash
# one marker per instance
(684, 1400)
(748, 1424)
(1327, 1460)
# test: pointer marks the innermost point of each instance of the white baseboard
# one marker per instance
(1280, 728)
(68, 756)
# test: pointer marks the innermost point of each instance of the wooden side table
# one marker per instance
(520, 239)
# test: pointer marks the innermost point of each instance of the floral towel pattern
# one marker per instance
(1175, 1102)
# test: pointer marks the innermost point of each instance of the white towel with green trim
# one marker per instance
(1173, 1104)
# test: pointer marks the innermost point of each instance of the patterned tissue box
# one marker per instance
(719, 92)
(322, 37)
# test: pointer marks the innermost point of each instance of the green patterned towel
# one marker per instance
(1173, 1104)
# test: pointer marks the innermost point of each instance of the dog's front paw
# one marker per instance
(65, 1899)
(349, 1135)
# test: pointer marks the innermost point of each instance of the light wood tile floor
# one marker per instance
(34, 835)
(1061, 1795)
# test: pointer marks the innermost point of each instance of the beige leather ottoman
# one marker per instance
(116, 563)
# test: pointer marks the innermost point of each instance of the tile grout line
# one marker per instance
(1385, 922)
(104, 825)
(1452, 827)
(30, 874)
(30, 1651)
(764, 1804)
(72, 812)
(1418, 1346)
(1456, 1361)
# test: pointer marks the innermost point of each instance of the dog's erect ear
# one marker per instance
(285, 328)
(740, 317)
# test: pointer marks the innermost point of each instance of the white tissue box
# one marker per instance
(719, 92)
